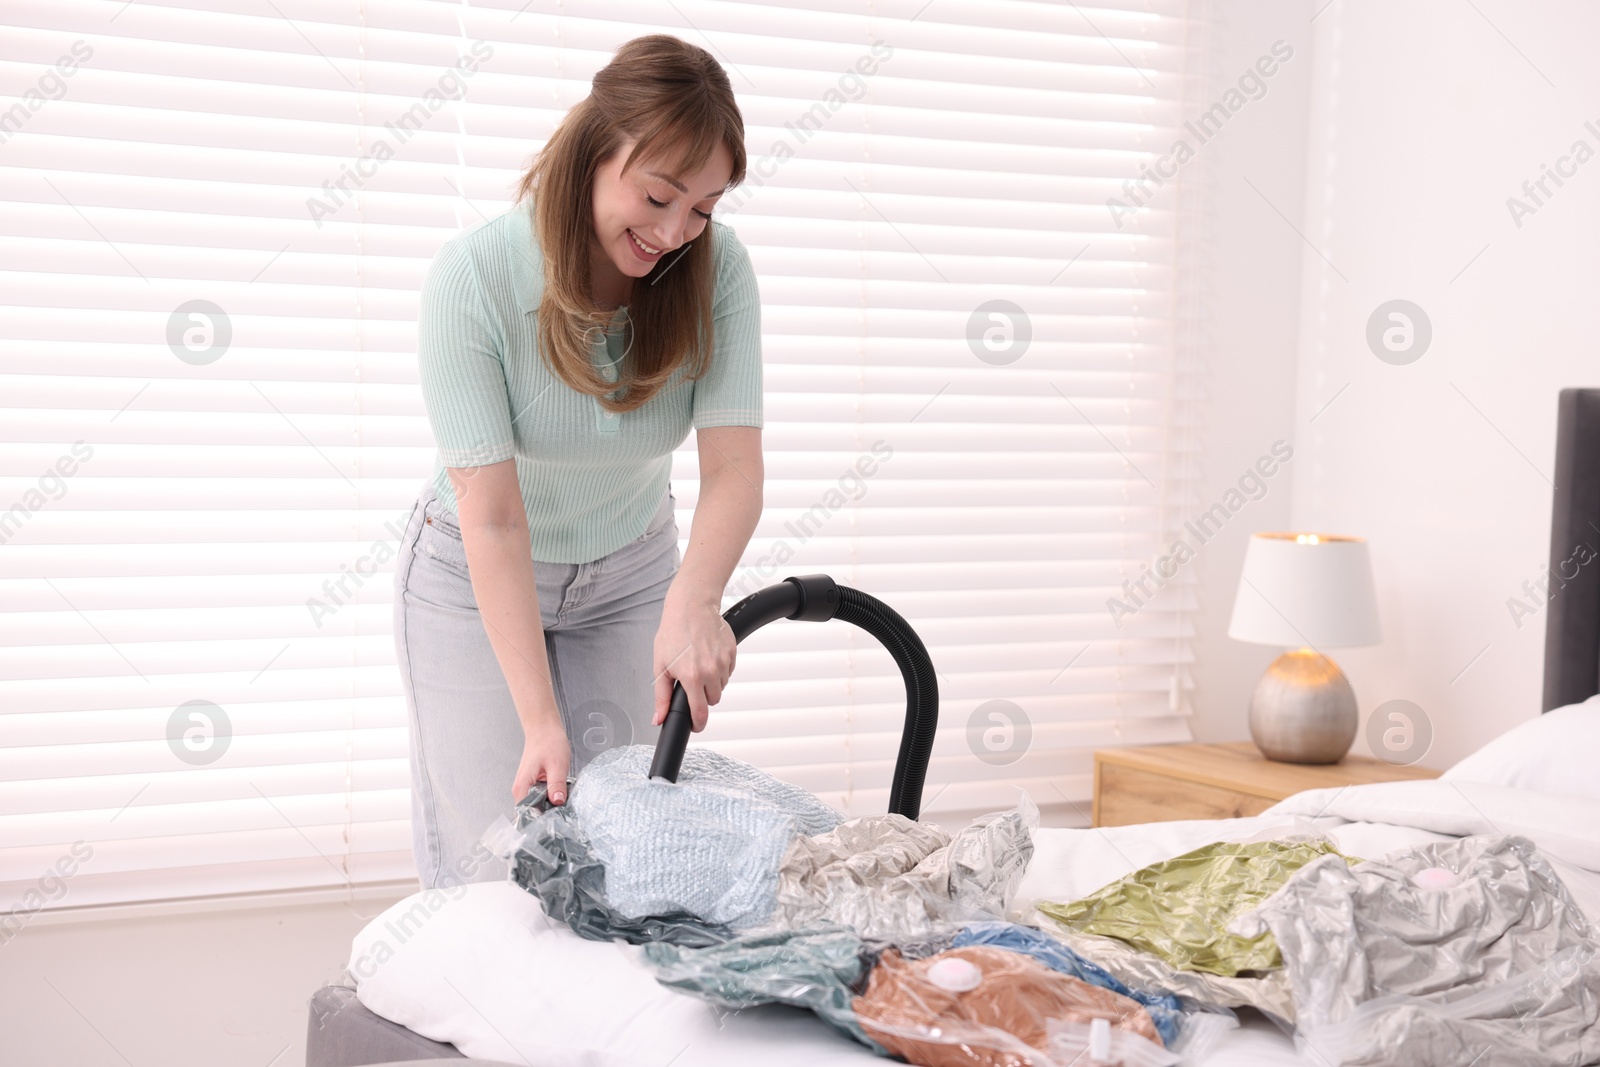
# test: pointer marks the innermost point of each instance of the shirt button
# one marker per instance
(611, 414)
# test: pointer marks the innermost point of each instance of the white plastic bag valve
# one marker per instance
(1099, 1041)
(1074, 1044)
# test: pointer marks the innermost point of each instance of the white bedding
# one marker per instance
(481, 966)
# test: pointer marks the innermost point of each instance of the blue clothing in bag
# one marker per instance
(1164, 1008)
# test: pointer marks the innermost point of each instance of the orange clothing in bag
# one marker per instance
(981, 1006)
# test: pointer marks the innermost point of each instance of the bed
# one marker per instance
(482, 974)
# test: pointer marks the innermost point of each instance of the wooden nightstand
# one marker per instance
(1160, 783)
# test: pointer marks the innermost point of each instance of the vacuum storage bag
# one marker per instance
(816, 968)
(1464, 951)
(1267, 992)
(1166, 1010)
(892, 878)
(708, 844)
(982, 1006)
(689, 862)
(551, 858)
(825, 968)
(730, 849)
(1179, 909)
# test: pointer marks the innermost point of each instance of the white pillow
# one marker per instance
(482, 967)
(1557, 752)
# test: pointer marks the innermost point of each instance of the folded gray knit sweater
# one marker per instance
(709, 844)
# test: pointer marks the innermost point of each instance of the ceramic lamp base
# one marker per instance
(1303, 710)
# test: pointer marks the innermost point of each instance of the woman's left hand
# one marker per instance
(694, 646)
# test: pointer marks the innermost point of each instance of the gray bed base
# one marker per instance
(343, 1032)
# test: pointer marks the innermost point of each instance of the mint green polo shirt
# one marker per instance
(591, 479)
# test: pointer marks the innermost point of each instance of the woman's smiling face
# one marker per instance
(646, 214)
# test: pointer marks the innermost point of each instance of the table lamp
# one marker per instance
(1306, 592)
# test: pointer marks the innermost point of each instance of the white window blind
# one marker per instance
(199, 502)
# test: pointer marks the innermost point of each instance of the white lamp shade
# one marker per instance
(1306, 589)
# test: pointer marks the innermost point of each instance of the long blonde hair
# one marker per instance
(672, 98)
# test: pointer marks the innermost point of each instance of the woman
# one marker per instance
(541, 611)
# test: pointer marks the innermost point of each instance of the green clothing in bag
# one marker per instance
(1179, 909)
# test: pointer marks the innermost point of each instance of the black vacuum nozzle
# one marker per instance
(674, 738)
(818, 598)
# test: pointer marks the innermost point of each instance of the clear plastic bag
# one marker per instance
(1470, 950)
(1179, 909)
(708, 844)
(983, 1006)
(826, 968)
(729, 850)
(550, 858)
(1268, 993)
(1202, 1029)
(1174, 1017)
(815, 968)
(687, 862)
(1527, 1021)
(894, 879)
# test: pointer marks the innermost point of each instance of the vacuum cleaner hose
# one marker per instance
(817, 598)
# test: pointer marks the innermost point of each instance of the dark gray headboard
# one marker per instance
(1572, 626)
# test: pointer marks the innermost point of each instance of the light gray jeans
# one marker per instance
(600, 621)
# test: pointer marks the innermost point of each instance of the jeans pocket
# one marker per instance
(440, 541)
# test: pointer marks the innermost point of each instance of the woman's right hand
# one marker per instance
(546, 755)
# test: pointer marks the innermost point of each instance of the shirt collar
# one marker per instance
(527, 263)
(527, 271)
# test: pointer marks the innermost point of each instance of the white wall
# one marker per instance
(225, 985)
(1425, 117)
(1251, 301)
